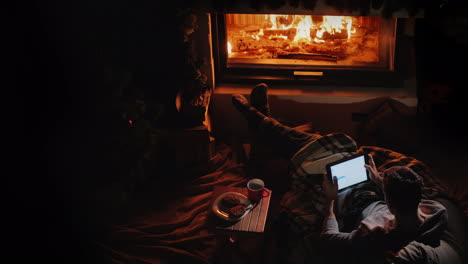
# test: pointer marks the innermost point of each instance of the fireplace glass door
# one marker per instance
(272, 41)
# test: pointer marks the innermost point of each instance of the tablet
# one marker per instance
(349, 171)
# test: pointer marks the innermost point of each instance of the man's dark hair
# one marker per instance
(403, 188)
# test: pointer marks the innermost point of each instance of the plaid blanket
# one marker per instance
(300, 221)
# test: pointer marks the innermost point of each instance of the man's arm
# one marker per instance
(330, 229)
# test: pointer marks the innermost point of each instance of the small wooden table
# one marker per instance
(254, 221)
(242, 241)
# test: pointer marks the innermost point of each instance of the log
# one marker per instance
(326, 35)
(277, 32)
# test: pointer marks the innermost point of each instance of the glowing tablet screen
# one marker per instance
(349, 171)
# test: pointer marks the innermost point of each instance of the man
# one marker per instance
(401, 227)
(387, 226)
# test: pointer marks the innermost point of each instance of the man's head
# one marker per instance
(403, 189)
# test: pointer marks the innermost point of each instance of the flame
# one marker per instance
(300, 39)
(332, 24)
(350, 28)
(303, 29)
(292, 33)
(304, 25)
(229, 47)
(276, 21)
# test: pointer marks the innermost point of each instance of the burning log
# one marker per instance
(280, 32)
(307, 56)
(339, 35)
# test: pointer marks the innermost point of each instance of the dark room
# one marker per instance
(252, 131)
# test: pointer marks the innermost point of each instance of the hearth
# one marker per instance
(298, 48)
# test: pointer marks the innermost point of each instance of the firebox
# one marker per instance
(351, 50)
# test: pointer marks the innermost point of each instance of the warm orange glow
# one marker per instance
(278, 36)
(229, 47)
(303, 37)
(335, 24)
(305, 29)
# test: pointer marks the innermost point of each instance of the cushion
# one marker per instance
(393, 125)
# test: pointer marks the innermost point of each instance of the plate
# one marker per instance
(222, 211)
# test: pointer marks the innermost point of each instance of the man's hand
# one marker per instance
(329, 189)
(374, 174)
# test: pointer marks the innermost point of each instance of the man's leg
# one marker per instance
(284, 140)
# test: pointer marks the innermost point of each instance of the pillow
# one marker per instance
(393, 125)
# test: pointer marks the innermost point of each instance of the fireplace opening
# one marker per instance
(307, 40)
(296, 48)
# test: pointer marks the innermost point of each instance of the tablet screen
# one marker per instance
(349, 172)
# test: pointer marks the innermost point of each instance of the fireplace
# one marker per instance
(292, 41)
(312, 49)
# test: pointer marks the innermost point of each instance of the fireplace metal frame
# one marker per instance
(314, 75)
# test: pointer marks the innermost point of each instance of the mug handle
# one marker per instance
(266, 192)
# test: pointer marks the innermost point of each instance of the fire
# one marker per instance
(278, 21)
(303, 29)
(307, 30)
(229, 47)
(334, 24)
(302, 37)
(278, 36)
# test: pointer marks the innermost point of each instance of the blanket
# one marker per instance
(179, 231)
(301, 216)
